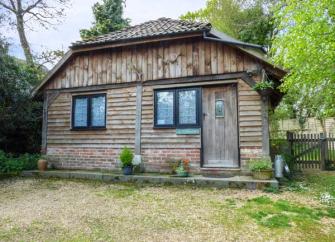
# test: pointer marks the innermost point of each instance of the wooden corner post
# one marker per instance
(265, 124)
(138, 121)
(44, 123)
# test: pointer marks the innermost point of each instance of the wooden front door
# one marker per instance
(220, 132)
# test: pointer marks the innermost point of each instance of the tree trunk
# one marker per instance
(23, 39)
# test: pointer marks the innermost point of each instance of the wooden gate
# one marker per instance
(312, 151)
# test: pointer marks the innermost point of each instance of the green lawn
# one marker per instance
(66, 210)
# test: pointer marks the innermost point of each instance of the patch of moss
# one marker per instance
(282, 213)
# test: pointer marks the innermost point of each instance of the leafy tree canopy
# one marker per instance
(108, 18)
(248, 20)
(305, 45)
(20, 116)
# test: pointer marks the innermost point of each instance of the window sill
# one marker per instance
(88, 129)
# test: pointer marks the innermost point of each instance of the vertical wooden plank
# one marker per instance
(73, 73)
(189, 53)
(239, 61)
(208, 65)
(90, 70)
(195, 57)
(220, 51)
(149, 63)
(178, 63)
(226, 60)
(166, 62)
(133, 63)
(233, 66)
(155, 63)
(104, 67)
(85, 71)
(94, 69)
(114, 66)
(183, 58)
(99, 68)
(214, 58)
(109, 67)
(172, 59)
(160, 62)
(202, 55)
(139, 70)
(144, 64)
(77, 69)
(124, 65)
(128, 66)
(118, 66)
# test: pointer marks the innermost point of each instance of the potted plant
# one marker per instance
(261, 168)
(42, 164)
(183, 168)
(126, 157)
(264, 87)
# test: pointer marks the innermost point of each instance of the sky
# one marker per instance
(80, 16)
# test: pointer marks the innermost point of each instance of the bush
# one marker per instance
(260, 164)
(11, 164)
(259, 86)
(126, 157)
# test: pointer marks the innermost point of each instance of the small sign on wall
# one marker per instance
(188, 131)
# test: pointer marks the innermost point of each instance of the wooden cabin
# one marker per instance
(168, 89)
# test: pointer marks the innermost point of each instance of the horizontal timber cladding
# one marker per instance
(120, 125)
(250, 117)
(151, 62)
(161, 137)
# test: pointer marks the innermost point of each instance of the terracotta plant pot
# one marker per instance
(42, 165)
(262, 175)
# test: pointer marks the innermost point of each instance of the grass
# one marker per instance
(68, 210)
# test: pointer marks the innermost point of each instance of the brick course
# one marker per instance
(155, 160)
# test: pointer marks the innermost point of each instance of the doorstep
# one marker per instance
(246, 182)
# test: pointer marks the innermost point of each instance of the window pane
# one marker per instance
(165, 108)
(219, 108)
(98, 111)
(80, 112)
(187, 107)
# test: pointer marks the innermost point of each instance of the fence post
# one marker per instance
(290, 147)
(323, 151)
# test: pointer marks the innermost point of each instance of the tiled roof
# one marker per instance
(153, 28)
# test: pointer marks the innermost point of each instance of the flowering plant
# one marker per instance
(183, 168)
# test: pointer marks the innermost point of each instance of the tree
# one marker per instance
(22, 13)
(108, 18)
(20, 116)
(250, 21)
(305, 46)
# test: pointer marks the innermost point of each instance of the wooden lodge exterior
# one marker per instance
(168, 89)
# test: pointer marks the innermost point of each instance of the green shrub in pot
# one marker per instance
(126, 158)
(261, 168)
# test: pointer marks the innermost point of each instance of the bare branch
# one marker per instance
(7, 7)
(32, 6)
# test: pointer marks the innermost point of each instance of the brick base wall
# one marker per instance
(156, 160)
(83, 158)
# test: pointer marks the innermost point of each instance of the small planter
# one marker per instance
(182, 174)
(266, 92)
(262, 174)
(127, 170)
(42, 165)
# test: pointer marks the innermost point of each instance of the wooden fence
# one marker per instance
(312, 151)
